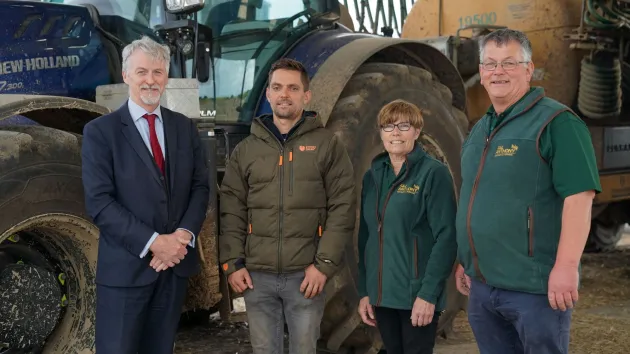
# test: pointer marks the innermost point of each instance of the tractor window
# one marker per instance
(247, 34)
(126, 19)
(131, 10)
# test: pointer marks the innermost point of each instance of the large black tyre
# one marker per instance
(603, 236)
(41, 203)
(608, 227)
(354, 119)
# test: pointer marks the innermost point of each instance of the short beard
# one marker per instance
(150, 100)
(289, 115)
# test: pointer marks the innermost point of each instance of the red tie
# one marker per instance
(155, 144)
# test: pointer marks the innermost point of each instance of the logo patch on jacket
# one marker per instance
(307, 147)
(408, 190)
(501, 151)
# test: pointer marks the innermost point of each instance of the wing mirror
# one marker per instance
(181, 7)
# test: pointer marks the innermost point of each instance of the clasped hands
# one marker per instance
(169, 250)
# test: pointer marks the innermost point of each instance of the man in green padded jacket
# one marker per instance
(287, 213)
(528, 182)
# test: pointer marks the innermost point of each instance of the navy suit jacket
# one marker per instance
(129, 199)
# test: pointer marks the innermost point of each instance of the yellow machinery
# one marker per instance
(544, 22)
(580, 58)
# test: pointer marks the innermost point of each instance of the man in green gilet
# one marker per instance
(528, 181)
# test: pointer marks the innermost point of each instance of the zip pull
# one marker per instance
(379, 226)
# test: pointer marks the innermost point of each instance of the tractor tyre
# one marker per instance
(608, 227)
(603, 236)
(354, 119)
(47, 239)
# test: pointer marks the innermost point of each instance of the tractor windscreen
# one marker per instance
(247, 35)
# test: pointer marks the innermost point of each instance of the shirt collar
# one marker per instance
(137, 112)
(491, 111)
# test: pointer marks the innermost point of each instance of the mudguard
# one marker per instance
(334, 73)
(11, 105)
(18, 109)
(332, 55)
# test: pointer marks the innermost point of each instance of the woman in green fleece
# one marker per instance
(407, 244)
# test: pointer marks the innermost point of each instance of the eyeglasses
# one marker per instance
(403, 127)
(506, 65)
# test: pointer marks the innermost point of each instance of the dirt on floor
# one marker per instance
(601, 321)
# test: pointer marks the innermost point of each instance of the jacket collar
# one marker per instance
(264, 128)
(413, 158)
(524, 104)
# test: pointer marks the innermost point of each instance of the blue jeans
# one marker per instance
(511, 322)
(276, 298)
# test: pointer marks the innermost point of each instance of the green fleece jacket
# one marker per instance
(407, 244)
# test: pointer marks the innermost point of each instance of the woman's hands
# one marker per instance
(422, 313)
(367, 312)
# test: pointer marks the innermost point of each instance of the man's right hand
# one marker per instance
(168, 249)
(240, 280)
(462, 280)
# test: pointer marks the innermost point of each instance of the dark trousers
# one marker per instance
(400, 336)
(511, 322)
(141, 319)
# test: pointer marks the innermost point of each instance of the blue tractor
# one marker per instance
(60, 67)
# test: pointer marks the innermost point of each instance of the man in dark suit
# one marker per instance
(146, 188)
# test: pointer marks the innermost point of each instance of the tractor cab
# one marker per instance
(228, 45)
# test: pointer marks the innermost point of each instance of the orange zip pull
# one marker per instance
(290, 155)
(280, 163)
(250, 228)
(319, 230)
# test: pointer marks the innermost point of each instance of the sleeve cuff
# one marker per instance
(192, 241)
(148, 245)
(326, 267)
(232, 266)
(428, 297)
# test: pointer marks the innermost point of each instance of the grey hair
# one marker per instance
(152, 48)
(504, 36)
